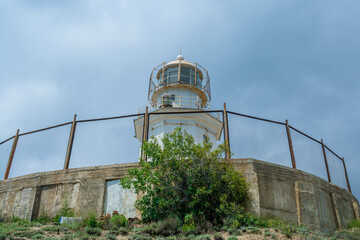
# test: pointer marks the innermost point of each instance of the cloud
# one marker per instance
(274, 59)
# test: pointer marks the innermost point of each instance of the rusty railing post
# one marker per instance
(346, 176)
(70, 143)
(292, 155)
(145, 136)
(325, 159)
(226, 133)
(12, 153)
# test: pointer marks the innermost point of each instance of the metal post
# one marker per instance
(179, 69)
(292, 155)
(226, 133)
(195, 72)
(12, 153)
(346, 175)
(145, 136)
(325, 159)
(163, 70)
(70, 143)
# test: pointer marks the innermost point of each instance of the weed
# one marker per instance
(149, 229)
(255, 230)
(203, 237)
(118, 221)
(189, 224)
(168, 227)
(353, 234)
(353, 224)
(218, 236)
(123, 231)
(38, 236)
(51, 228)
(232, 238)
(140, 237)
(65, 210)
(93, 230)
(111, 236)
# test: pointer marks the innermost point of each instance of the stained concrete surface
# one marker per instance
(275, 191)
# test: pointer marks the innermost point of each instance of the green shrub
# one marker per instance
(140, 237)
(353, 224)
(185, 178)
(118, 221)
(66, 211)
(236, 232)
(51, 228)
(203, 224)
(255, 230)
(232, 238)
(111, 236)
(93, 230)
(123, 231)
(353, 234)
(247, 219)
(203, 237)
(218, 236)
(168, 226)
(37, 236)
(189, 224)
(149, 229)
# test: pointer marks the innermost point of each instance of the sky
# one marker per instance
(277, 59)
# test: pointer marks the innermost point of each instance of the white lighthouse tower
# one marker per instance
(180, 86)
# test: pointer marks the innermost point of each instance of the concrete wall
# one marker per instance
(275, 191)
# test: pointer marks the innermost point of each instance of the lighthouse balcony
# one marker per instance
(181, 102)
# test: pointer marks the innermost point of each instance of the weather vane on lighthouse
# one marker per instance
(180, 86)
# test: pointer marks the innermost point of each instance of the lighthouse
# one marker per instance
(180, 86)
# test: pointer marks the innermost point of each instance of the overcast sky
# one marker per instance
(295, 60)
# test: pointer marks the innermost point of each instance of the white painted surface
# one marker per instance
(119, 199)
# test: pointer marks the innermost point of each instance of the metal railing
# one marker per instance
(179, 102)
(327, 153)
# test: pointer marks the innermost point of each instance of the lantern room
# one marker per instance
(179, 84)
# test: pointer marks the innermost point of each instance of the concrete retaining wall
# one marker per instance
(275, 191)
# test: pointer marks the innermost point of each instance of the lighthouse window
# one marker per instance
(170, 75)
(173, 75)
(168, 100)
(185, 75)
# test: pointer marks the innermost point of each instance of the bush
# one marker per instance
(185, 178)
(65, 210)
(247, 219)
(118, 221)
(140, 237)
(353, 224)
(203, 237)
(189, 224)
(168, 227)
(123, 231)
(111, 236)
(93, 230)
(218, 236)
(149, 229)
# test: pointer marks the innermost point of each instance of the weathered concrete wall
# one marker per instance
(84, 189)
(300, 197)
(275, 191)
